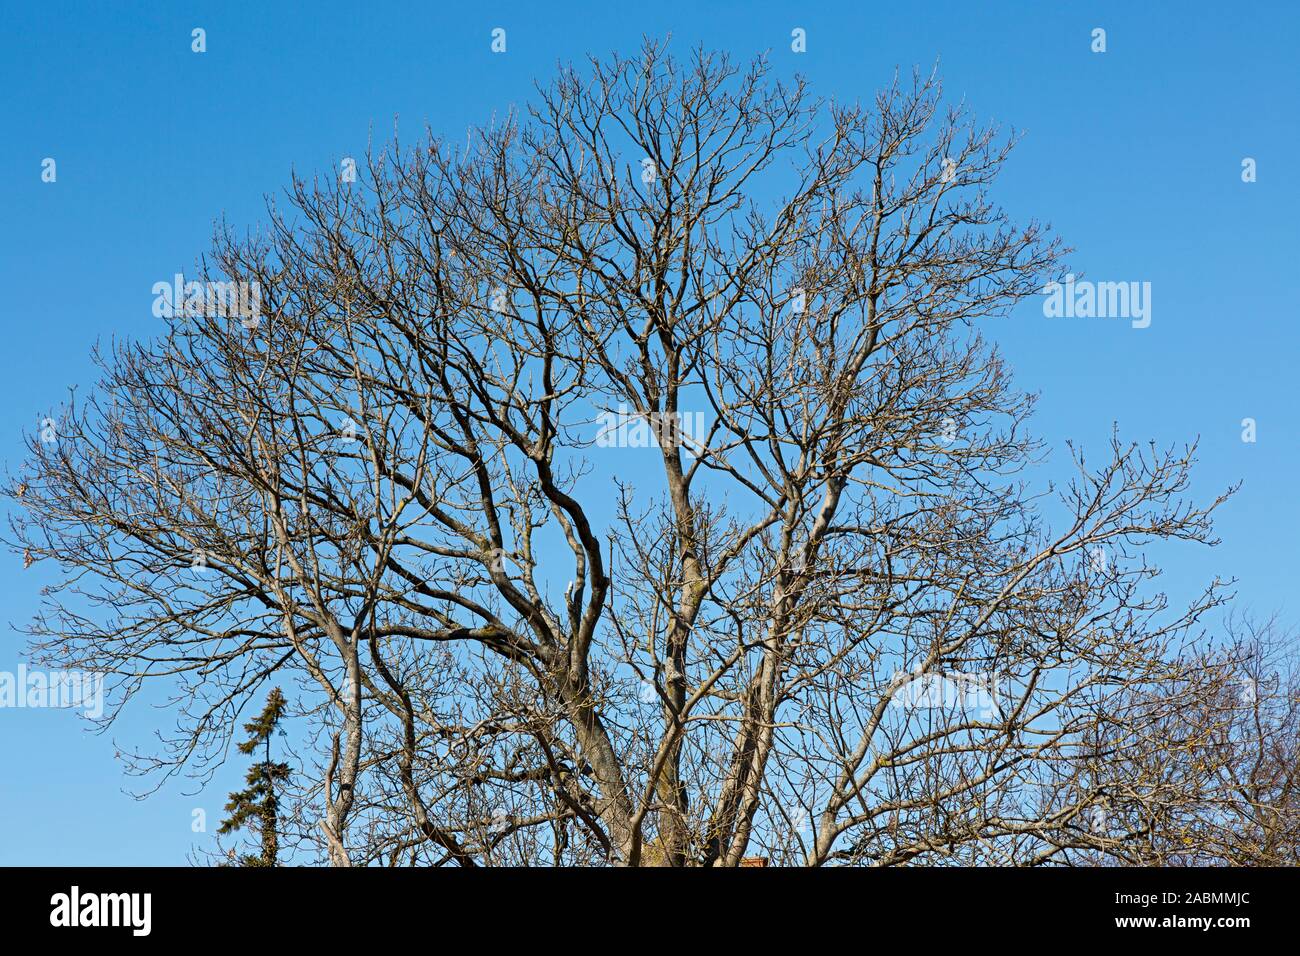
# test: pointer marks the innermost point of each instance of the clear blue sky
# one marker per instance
(1133, 155)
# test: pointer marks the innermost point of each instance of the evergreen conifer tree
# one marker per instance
(256, 806)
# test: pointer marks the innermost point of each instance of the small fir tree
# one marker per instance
(256, 806)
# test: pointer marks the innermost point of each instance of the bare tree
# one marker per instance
(1236, 751)
(821, 617)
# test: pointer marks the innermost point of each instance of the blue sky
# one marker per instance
(1134, 155)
